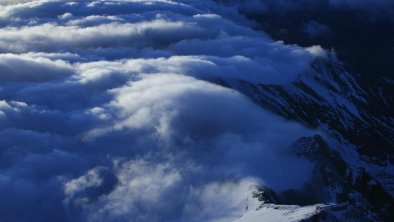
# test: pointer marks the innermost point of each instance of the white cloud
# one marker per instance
(51, 37)
(142, 185)
(24, 69)
(151, 191)
(182, 114)
(108, 110)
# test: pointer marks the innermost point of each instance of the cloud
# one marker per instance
(147, 189)
(187, 129)
(109, 110)
(24, 69)
(49, 37)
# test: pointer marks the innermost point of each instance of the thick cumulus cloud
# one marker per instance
(21, 68)
(109, 111)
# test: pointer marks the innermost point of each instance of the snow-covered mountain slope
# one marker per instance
(349, 99)
(330, 98)
(259, 206)
(278, 213)
(354, 153)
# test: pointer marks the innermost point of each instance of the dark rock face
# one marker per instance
(357, 196)
(363, 195)
(266, 195)
(333, 97)
(353, 166)
(349, 97)
(354, 97)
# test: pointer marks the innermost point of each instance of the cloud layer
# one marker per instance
(109, 111)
